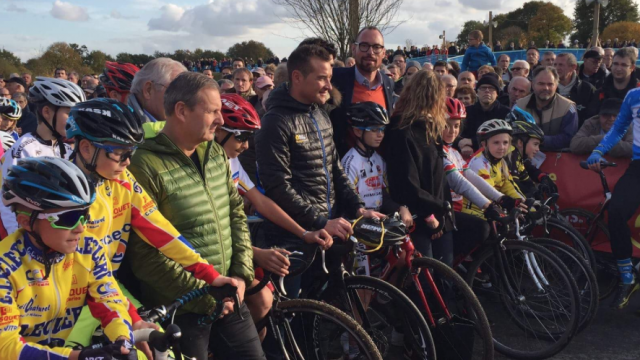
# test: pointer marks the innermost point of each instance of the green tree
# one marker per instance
(468, 27)
(550, 23)
(520, 17)
(616, 11)
(58, 54)
(96, 59)
(511, 34)
(82, 50)
(133, 58)
(251, 50)
(10, 58)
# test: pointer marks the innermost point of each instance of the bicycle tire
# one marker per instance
(291, 309)
(471, 306)
(582, 274)
(405, 311)
(606, 271)
(561, 230)
(507, 331)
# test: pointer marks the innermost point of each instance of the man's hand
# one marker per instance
(227, 308)
(241, 287)
(339, 227)
(273, 260)
(143, 345)
(370, 214)
(320, 237)
(406, 217)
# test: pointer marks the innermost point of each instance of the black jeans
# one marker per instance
(228, 338)
(472, 232)
(439, 249)
(625, 201)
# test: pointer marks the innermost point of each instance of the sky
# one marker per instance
(144, 26)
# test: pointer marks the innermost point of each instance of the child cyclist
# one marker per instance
(240, 122)
(44, 281)
(53, 99)
(489, 162)
(10, 113)
(466, 184)
(527, 140)
(107, 133)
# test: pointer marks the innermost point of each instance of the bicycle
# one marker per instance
(380, 308)
(593, 228)
(320, 326)
(535, 288)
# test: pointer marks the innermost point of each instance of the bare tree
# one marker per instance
(340, 20)
(409, 43)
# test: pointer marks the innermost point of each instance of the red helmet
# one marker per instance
(118, 76)
(238, 114)
(455, 109)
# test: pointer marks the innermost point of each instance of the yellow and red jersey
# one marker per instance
(37, 314)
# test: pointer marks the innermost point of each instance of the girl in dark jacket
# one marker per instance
(414, 159)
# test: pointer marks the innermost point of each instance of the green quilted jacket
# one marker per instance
(207, 210)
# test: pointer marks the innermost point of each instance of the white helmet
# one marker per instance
(7, 140)
(57, 92)
(493, 127)
(10, 108)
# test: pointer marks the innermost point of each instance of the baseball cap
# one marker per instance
(592, 54)
(263, 81)
(17, 80)
(610, 106)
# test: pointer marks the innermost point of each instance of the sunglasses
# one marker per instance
(67, 220)
(243, 136)
(110, 151)
(380, 129)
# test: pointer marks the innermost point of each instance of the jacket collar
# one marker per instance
(364, 82)
(532, 103)
(137, 107)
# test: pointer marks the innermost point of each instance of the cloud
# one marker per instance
(69, 12)
(115, 14)
(222, 18)
(15, 8)
(483, 4)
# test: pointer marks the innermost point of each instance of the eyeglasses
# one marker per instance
(486, 88)
(378, 130)
(364, 47)
(162, 85)
(118, 157)
(516, 68)
(67, 219)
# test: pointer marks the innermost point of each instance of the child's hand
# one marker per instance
(406, 217)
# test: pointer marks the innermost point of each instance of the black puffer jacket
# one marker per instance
(300, 171)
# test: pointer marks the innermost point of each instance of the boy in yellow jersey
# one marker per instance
(106, 134)
(44, 281)
(489, 162)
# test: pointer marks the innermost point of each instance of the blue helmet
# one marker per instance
(518, 114)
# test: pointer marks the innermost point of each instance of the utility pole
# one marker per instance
(444, 40)
(596, 24)
(491, 29)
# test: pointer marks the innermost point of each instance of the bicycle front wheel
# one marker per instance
(529, 296)
(312, 330)
(465, 332)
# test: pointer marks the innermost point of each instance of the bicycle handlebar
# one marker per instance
(603, 164)
(160, 342)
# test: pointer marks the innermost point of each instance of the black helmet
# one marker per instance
(366, 114)
(45, 183)
(522, 129)
(369, 231)
(102, 120)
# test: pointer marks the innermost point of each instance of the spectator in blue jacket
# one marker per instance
(477, 54)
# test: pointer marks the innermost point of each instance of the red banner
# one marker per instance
(582, 189)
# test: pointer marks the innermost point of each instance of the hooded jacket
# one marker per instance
(298, 163)
(203, 204)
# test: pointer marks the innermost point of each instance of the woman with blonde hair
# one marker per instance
(414, 157)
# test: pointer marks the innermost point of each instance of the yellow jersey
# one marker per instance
(37, 314)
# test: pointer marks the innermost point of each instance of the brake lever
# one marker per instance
(324, 264)
(220, 293)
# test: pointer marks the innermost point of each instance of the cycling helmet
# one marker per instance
(370, 231)
(368, 113)
(7, 140)
(493, 127)
(238, 114)
(57, 92)
(10, 109)
(455, 109)
(517, 114)
(102, 120)
(45, 183)
(528, 130)
(118, 76)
